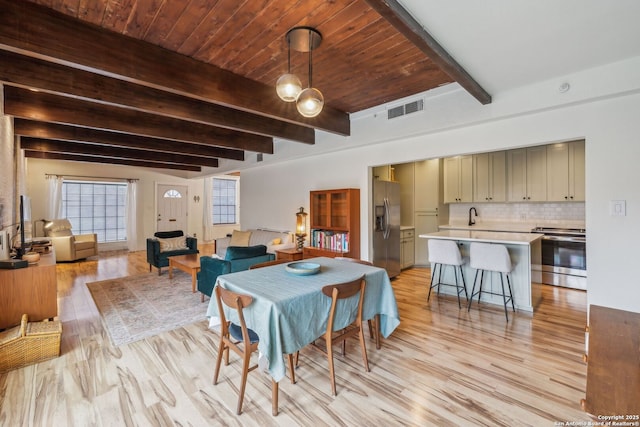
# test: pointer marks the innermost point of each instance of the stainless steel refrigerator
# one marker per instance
(386, 232)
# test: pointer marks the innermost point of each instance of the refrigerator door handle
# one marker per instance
(387, 226)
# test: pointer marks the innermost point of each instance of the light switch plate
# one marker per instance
(618, 207)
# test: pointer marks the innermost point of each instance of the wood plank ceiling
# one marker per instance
(180, 84)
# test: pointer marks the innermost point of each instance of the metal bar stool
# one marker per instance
(446, 252)
(491, 257)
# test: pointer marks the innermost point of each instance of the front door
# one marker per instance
(172, 207)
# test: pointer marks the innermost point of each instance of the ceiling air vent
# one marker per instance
(405, 109)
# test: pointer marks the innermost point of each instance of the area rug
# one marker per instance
(136, 307)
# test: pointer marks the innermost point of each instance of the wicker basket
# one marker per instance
(29, 343)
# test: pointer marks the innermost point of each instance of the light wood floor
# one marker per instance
(442, 366)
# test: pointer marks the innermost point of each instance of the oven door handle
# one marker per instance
(565, 239)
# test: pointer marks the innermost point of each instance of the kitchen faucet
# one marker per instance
(471, 220)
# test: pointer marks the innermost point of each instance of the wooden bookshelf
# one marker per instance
(334, 223)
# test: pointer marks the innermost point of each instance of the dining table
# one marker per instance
(289, 310)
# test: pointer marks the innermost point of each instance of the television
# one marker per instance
(25, 217)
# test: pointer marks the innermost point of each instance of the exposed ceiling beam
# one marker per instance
(40, 32)
(60, 109)
(24, 71)
(406, 24)
(66, 147)
(44, 130)
(91, 159)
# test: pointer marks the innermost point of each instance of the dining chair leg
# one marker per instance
(371, 326)
(377, 323)
(246, 359)
(221, 349)
(292, 373)
(363, 348)
(332, 375)
(274, 397)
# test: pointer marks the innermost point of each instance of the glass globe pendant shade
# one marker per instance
(288, 87)
(310, 102)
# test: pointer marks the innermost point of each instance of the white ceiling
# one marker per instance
(506, 44)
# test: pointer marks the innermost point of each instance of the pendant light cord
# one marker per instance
(310, 59)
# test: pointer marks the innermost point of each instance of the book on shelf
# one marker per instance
(331, 240)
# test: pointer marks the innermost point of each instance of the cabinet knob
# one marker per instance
(528, 198)
(571, 197)
(486, 198)
(565, 197)
(524, 198)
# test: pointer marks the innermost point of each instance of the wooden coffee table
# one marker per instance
(189, 264)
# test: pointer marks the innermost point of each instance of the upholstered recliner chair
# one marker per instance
(70, 247)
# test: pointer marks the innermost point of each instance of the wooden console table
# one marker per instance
(292, 254)
(32, 290)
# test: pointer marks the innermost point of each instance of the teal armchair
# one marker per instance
(237, 259)
(210, 269)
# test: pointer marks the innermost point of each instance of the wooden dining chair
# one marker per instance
(338, 292)
(374, 324)
(231, 335)
(269, 263)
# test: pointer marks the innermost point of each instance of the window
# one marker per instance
(225, 201)
(96, 207)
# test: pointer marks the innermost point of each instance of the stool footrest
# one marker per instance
(459, 288)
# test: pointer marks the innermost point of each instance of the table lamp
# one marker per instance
(301, 227)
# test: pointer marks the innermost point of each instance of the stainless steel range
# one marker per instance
(564, 256)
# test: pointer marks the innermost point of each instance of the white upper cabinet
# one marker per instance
(427, 184)
(383, 173)
(527, 174)
(458, 179)
(490, 177)
(565, 172)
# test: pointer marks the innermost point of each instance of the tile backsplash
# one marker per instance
(531, 213)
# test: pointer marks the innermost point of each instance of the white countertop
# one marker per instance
(506, 238)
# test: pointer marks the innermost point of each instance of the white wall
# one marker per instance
(609, 123)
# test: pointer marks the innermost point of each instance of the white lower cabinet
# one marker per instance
(407, 250)
(424, 222)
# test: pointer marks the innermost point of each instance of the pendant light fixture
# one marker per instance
(288, 85)
(309, 101)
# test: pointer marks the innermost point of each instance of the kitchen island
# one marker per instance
(525, 251)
